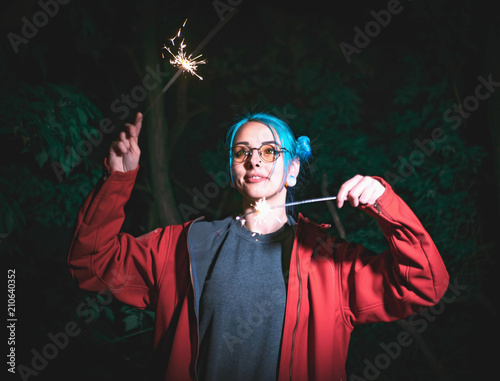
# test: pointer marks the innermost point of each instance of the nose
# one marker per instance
(254, 160)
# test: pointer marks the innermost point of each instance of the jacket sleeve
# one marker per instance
(103, 259)
(397, 282)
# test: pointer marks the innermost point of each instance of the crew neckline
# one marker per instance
(276, 236)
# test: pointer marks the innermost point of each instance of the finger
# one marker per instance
(345, 189)
(353, 199)
(135, 129)
(138, 122)
(127, 144)
(130, 131)
(132, 142)
(342, 200)
(358, 190)
(123, 138)
(373, 199)
(120, 147)
(379, 191)
(366, 196)
(113, 147)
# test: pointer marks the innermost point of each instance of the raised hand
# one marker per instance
(363, 190)
(124, 153)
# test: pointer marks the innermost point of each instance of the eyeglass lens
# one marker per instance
(267, 152)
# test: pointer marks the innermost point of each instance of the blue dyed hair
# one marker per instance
(295, 148)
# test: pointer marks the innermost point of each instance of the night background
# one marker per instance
(416, 101)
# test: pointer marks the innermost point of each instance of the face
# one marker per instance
(256, 178)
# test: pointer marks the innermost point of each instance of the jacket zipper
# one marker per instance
(195, 310)
(298, 311)
(379, 209)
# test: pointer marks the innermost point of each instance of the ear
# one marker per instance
(294, 167)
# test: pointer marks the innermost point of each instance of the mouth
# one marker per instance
(255, 179)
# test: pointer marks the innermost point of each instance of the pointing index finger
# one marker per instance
(138, 123)
(135, 129)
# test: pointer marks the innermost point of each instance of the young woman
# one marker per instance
(264, 297)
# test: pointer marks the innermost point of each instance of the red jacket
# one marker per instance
(333, 285)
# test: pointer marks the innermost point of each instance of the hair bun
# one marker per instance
(304, 147)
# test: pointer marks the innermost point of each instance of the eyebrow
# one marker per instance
(246, 143)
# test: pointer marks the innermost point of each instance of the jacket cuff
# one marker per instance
(383, 201)
(388, 195)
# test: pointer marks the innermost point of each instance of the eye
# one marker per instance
(240, 152)
(269, 150)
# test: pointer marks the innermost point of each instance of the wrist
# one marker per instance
(108, 171)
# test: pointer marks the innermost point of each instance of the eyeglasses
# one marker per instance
(267, 152)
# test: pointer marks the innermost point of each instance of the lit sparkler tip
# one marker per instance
(181, 60)
(262, 208)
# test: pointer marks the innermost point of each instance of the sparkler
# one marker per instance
(186, 63)
(263, 208)
(181, 60)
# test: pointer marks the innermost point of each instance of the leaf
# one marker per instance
(108, 312)
(82, 116)
(41, 158)
(131, 322)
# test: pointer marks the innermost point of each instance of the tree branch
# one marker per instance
(331, 207)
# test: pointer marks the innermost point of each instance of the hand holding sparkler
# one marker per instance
(360, 190)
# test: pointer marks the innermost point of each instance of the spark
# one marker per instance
(181, 59)
(241, 219)
(262, 208)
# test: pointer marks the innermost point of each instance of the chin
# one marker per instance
(254, 195)
(257, 193)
